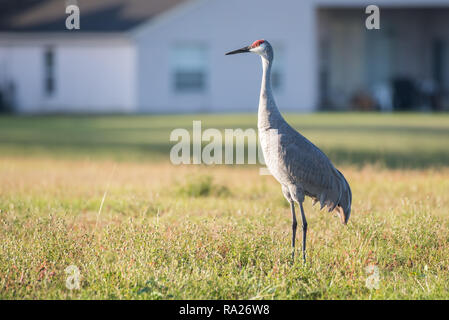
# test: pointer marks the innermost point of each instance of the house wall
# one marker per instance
(233, 81)
(133, 72)
(90, 75)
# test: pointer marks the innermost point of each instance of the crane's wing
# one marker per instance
(309, 166)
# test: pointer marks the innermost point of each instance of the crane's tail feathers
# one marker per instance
(322, 200)
(340, 199)
(345, 200)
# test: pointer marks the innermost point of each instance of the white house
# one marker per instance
(167, 56)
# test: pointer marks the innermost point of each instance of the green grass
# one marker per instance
(392, 140)
(218, 232)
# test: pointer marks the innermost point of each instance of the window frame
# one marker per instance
(49, 71)
(177, 70)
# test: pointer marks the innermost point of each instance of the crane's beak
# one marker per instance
(242, 50)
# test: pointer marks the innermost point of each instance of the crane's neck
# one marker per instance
(269, 116)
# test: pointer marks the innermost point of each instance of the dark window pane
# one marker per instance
(49, 69)
(49, 58)
(49, 85)
(189, 81)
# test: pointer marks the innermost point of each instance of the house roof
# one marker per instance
(95, 16)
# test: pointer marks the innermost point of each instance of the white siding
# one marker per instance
(233, 81)
(89, 77)
(23, 66)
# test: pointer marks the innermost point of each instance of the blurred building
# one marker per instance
(168, 55)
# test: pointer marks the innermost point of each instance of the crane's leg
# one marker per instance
(294, 225)
(304, 232)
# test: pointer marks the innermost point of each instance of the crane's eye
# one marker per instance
(257, 43)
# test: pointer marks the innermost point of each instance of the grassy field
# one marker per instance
(100, 193)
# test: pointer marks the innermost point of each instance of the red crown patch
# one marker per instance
(257, 43)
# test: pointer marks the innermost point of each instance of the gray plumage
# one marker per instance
(298, 165)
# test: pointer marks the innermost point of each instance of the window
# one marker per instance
(49, 71)
(277, 71)
(189, 68)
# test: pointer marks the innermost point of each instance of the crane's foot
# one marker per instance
(303, 257)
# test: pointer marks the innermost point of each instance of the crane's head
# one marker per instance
(261, 47)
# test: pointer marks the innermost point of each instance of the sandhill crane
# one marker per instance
(296, 163)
